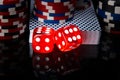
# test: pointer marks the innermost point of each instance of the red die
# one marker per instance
(68, 38)
(43, 40)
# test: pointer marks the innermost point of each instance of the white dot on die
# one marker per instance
(75, 29)
(59, 34)
(39, 30)
(63, 43)
(78, 37)
(70, 39)
(47, 48)
(47, 59)
(37, 47)
(70, 30)
(48, 28)
(38, 58)
(66, 31)
(62, 67)
(59, 59)
(47, 40)
(47, 32)
(37, 66)
(74, 38)
(46, 66)
(56, 38)
(59, 46)
(37, 39)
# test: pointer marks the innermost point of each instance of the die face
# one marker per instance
(43, 43)
(60, 39)
(68, 38)
(44, 30)
(42, 62)
(43, 40)
(73, 36)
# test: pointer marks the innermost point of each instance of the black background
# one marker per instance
(103, 66)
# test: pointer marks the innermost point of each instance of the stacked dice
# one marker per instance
(12, 18)
(54, 11)
(53, 48)
(109, 15)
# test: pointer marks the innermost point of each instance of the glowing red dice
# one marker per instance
(68, 38)
(43, 40)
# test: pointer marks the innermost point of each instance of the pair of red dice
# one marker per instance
(65, 38)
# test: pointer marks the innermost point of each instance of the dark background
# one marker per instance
(99, 62)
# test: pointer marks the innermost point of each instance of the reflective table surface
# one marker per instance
(90, 61)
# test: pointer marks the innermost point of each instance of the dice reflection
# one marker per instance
(58, 62)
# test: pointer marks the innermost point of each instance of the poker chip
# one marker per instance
(13, 23)
(12, 32)
(13, 19)
(7, 2)
(13, 12)
(23, 5)
(52, 21)
(112, 9)
(53, 18)
(110, 21)
(55, 1)
(53, 14)
(66, 3)
(109, 25)
(54, 6)
(10, 37)
(108, 15)
(18, 28)
(111, 2)
(56, 10)
(13, 16)
(13, 26)
(12, 5)
(108, 12)
(48, 11)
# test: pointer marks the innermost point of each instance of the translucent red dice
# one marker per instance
(43, 40)
(68, 38)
